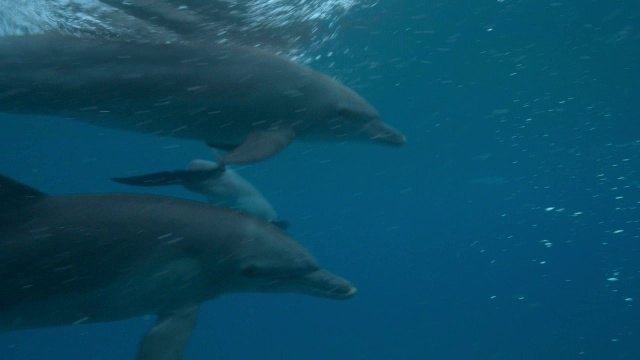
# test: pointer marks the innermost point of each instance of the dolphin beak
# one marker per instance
(384, 134)
(322, 283)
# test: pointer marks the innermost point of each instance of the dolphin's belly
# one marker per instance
(222, 119)
(210, 121)
(71, 309)
(145, 291)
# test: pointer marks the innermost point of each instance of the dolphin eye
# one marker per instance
(345, 111)
(250, 271)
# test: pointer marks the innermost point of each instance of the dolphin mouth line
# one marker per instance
(391, 140)
(382, 133)
(324, 284)
(333, 293)
(352, 292)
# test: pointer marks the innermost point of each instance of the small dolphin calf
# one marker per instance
(222, 186)
(245, 100)
(75, 259)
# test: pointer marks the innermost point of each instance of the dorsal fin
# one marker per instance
(14, 194)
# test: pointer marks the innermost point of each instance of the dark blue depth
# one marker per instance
(507, 228)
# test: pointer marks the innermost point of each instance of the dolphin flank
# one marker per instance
(74, 259)
(245, 100)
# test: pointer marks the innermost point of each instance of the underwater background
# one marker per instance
(508, 227)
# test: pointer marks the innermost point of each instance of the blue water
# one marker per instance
(507, 228)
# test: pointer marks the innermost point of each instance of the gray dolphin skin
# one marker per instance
(244, 100)
(76, 259)
(221, 185)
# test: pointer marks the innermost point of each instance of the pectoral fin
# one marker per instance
(260, 145)
(168, 337)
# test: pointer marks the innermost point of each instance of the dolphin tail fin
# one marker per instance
(14, 194)
(168, 337)
(178, 177)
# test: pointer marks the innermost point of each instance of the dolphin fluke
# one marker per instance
(178, 177)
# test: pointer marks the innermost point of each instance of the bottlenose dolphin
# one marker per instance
(75, 259)
(245, 100)
(222, 186)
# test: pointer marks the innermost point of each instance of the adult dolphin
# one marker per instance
(222, 186)
(245, 100)
(72, 259)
